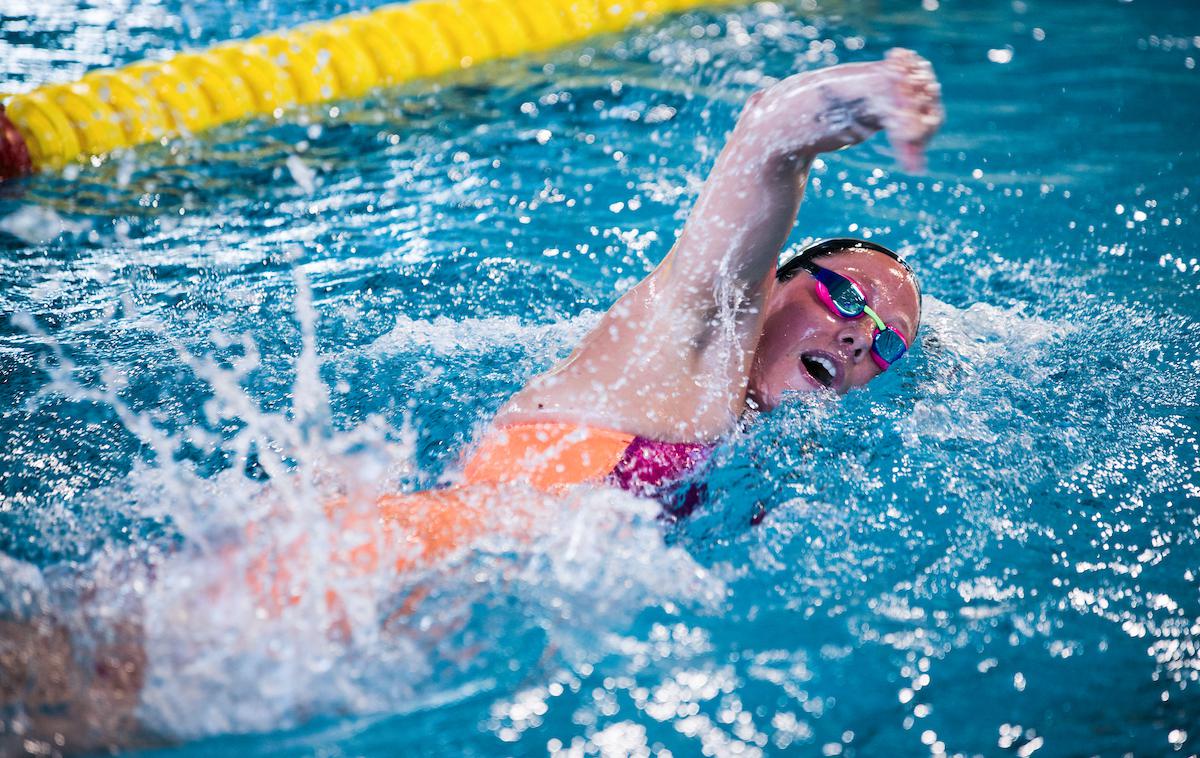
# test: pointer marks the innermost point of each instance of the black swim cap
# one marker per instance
(794, 265)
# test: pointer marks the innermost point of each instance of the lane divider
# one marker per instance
(341, 58)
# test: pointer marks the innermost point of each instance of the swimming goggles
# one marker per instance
(846, 299)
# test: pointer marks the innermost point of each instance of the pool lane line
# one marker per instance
(344, 57)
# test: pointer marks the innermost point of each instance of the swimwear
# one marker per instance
(418, 529)
(551, 456)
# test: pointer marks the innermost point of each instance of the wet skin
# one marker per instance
(800, 326)
(681, 356)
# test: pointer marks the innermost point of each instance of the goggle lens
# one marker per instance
(848, 299)
(888, 348)
(841, 293)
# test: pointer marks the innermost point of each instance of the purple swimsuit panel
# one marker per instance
(649, 466)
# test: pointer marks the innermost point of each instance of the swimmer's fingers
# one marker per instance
(916, 111)
(910, 155)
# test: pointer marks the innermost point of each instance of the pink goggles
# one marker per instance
(845, 298)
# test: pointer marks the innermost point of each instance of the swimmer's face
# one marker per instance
(805, 347)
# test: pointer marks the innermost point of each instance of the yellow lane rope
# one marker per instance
(344, 57)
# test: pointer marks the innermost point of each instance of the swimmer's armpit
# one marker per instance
(738, 310)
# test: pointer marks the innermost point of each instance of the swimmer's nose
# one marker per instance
(855, 339)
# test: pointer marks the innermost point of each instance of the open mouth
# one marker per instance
(821, 368)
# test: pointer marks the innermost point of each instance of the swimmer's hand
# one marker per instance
(829, 109)
(912, 106)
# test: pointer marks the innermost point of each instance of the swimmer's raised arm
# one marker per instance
(748, 205)
(671, 359)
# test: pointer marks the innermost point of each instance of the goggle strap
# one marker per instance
(879, 323)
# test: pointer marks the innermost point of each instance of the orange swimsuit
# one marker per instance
(421, 528)
(550, 457)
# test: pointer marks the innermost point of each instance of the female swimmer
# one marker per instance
(717, 328)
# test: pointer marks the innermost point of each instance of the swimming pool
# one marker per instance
(992, 551)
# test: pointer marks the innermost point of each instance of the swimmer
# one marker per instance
(719, 327)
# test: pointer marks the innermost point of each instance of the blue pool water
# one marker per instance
(992, 551)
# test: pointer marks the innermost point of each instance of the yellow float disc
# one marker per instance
(433, 48)
(29, 124)
(308, 67)
(393, 58)
(465, 32)
(48, 132)
(184, 102)
(271, 86)
(353, 68)
(97, 126)
(142, 117)
(226, 90)
(545, 24)
(344, 57)
(503, 28)
(582, 15)
(649, 9)
(618, 14)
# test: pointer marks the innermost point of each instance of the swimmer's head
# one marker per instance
(806, 346)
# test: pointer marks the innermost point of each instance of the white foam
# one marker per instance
(38, 224)
(975, 347)
(23, 591)
(593, 560)
(220, 662)
(302, 173)
(445, 336)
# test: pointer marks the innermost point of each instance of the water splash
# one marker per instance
(580, 574)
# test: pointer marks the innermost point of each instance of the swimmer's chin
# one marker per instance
(765, 402)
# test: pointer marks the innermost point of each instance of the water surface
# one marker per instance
(993, 550)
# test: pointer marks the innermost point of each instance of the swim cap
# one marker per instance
(794, 265)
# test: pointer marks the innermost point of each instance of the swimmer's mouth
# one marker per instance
(822, 369)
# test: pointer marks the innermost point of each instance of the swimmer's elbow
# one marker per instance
(753, 101)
